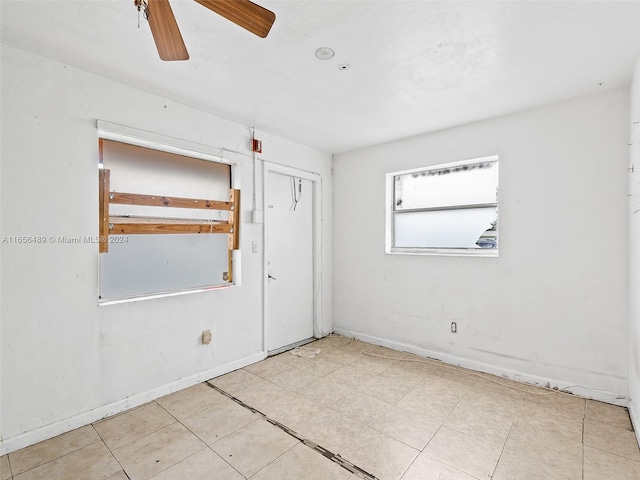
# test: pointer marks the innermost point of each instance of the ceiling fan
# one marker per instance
(166, 34)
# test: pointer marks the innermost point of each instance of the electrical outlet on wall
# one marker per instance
(454, 327)
(206, 337)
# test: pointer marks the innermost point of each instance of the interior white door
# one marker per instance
(289, 252)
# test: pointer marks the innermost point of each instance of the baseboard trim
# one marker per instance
(31, 437)
(607, 397)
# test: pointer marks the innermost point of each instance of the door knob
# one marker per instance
(272, 278)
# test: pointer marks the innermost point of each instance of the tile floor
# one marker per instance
(393, 418)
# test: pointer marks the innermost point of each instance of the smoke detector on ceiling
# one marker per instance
(324, 53)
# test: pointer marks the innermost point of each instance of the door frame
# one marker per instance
(316, 182)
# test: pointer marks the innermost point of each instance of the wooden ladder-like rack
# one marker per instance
(125, 225)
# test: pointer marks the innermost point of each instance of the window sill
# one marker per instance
(445, 252)
(115, 301)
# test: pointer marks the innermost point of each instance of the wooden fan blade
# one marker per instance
(164, 29)
(246, 14)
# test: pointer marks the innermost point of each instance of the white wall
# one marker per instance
(634, 251)
(66, 361)
(553, 306)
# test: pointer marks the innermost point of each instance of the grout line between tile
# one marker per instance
(57, 458)
(451, 466)
(584, 420)
(410, 465)
(610, 453)
(336, 458)
(171, 414)
(282, 454)
(10, 467)
(111, 452)
(144, 436)
(513, 420)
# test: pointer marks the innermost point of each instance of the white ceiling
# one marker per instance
(415, 66)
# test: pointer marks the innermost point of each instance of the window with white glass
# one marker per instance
(444, 209)
(165, 211)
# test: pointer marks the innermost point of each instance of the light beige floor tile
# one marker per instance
(294, 410)
(464, 452)
(599, 465)
(610, 414)
(342, 356)
(519, 467)
(203, 465)
(361, 407)
(408, 357)
(411, 428)
(402, 376)
(427, 468)
(302, 463)
(94, 462)
(235, 381)
(118, 476)
(132, 425)
(380, 455)
(546, 447)
(290, 359)
(521, 386)
(378, 350)
(536, 412)
(436, 398)
(549, 424)
(435, 384)
(561, 406)
(217, 421)
(263, 396)
(333, 432)
(267, 443)
(457, 375)
(191, 400)
(350, 376)
(618, 441)
(318, 366)
(391, 353)
(355, 347)
(324, 391)
(5, 468)
(373, 365)
(483, 420)
(158, 451)
(43, 452)
(416, 364)
(505, 398)
(387, 389)
(293, 379)
(267, 368)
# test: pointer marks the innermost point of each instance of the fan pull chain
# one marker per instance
(142, 5)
